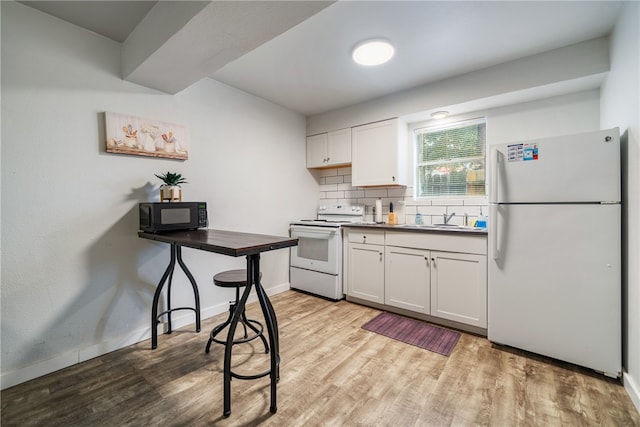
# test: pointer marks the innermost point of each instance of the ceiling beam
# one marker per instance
(179, 43)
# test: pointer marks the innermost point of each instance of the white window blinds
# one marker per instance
(450, 159)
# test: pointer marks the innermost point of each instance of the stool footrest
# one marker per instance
(164, 313)
(175, 309)
(246, 338)
(256, 376)
(250, 377)
(246, 323)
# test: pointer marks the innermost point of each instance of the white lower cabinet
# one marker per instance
(459, 287)
(440, 275)
(365, 275)
(364, 265)
(407, 278)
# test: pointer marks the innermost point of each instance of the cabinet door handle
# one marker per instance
(433, 261)
(380, 256)
(426, 258)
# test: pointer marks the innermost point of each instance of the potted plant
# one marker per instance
(171, 190)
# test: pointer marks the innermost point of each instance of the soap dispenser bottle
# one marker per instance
(482, 220)
(418, 218)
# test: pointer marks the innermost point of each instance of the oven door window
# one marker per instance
(313, 248)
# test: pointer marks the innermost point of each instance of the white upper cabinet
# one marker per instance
(317, 151)
(329, 149)
(379, 154)
(339, 147)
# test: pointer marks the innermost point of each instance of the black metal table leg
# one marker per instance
(272, 328)
(156, 298)
(229, 344)
(253, 279)
(176, 254)
(194, 285)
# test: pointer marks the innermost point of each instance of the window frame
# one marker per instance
(435, 125)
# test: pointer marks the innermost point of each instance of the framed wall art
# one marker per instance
(145, 137)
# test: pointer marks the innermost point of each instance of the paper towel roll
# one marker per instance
(379, 210)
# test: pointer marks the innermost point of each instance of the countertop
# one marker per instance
(420, 228)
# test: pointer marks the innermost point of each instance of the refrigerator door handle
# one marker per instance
(495, 181)
(493, 213)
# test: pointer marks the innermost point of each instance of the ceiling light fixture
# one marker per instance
(440, 114)
(373, 52)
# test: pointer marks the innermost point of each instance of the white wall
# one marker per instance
(76, 280)
(621, 107)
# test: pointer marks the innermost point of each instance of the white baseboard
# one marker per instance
(18, 376)
(632, 389)
(70, 358)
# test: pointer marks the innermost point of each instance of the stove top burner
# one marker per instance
(318, 222)
(335, 216)
(337, 221)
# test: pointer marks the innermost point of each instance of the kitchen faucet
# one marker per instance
(448, 218)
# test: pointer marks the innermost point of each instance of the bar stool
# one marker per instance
(236, 279)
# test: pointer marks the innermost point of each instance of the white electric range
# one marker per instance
(316, 263)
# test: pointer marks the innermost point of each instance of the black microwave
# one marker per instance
(156, 217)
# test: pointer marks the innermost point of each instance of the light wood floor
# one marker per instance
(333, 373)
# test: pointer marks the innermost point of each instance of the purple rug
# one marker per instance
(414, 332)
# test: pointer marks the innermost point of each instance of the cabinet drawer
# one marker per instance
(372, 237)
(449, 242)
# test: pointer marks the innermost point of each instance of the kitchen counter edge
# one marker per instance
(418, 228)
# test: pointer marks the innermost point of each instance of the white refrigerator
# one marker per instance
(554, 270)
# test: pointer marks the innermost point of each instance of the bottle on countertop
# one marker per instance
(393, 218)
(481, 222)
(418, 218)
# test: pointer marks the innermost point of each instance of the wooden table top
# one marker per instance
(225, 242)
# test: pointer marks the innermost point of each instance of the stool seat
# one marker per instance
(236, 279)
(232, 278)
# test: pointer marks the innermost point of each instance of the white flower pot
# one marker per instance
(170, 193)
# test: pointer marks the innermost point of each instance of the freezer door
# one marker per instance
(574, 168)
(555, 282)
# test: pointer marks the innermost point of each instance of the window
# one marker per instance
(450, 159)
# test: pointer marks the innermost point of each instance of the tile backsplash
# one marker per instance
(335, 187)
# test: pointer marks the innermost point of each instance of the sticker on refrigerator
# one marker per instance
(522, 152)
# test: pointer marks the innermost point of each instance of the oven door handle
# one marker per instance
(313, 235)
(314, 232)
